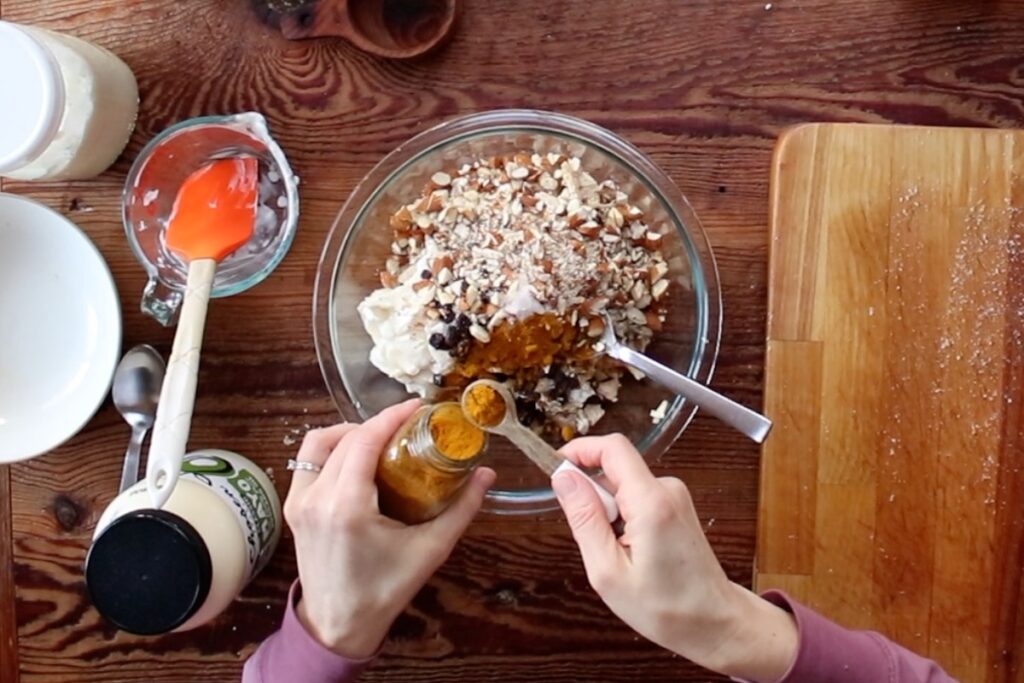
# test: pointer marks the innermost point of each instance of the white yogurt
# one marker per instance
(69, 106)
(519, 301)
(396, 321)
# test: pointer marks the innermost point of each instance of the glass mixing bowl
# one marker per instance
(359, 243)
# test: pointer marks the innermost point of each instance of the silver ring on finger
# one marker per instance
(303, 466)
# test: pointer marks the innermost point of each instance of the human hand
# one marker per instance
(661, 576)
(358, 568)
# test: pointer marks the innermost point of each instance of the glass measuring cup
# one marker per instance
(153, 183)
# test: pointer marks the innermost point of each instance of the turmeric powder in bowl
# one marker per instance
(455, 436)
(485, 406)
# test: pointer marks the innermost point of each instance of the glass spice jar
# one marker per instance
(427, 463)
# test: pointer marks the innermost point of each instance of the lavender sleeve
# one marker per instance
(292, 654)
(829, 653)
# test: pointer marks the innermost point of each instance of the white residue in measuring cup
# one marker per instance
(272, 209)
(271, 212)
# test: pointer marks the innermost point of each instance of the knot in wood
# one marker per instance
(67, 512)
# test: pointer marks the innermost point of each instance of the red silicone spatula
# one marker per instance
(214, 214)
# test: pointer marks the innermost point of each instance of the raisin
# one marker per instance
(528, 412)
(440, 341)
(564, 382)
(452, 336)
(461, 349)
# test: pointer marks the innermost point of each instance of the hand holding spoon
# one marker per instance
(478, 403)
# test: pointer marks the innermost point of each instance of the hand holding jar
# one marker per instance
(661, 576)
(358, 568)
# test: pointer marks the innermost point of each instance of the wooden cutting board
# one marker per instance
(892, 488)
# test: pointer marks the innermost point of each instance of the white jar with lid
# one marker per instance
(67, 107)
(156, 571)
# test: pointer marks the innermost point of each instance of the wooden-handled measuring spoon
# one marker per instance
(536, 449)
(214, 214)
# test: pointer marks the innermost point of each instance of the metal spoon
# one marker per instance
(739, 417)
(536, 449)
(136, 392)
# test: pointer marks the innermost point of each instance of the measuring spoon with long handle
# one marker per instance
(535, 448)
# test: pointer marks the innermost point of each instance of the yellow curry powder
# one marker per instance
(518, 345)
(485, 405)
(455, 436)
(429, 460)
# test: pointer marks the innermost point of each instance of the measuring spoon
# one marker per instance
(550, 461)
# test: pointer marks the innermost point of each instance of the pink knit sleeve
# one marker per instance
(829, 653)
(292, 654)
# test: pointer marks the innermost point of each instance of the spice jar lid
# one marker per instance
(148, 572)
(32, 91)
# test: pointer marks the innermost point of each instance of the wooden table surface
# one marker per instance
(703, 86)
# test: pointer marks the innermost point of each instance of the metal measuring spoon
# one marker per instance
(535, 448)
(739, 417)
(136, 392)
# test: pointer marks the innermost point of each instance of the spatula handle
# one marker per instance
(178, 394)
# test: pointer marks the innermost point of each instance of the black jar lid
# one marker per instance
(148, 572)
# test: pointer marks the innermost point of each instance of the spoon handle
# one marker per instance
(130, 469)
(551, 463)
(178, 394)
(743, 419)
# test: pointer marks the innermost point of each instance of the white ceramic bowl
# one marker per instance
(60, 328)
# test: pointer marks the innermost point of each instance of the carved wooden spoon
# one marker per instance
(394, 29)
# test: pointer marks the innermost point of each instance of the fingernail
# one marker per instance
(485, 478)
(563, 484)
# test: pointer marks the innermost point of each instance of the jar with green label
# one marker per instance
(155, 571)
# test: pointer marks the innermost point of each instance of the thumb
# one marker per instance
(446, 529)
(588, 521)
